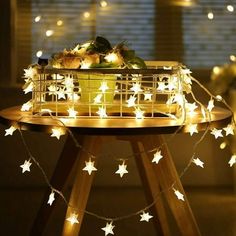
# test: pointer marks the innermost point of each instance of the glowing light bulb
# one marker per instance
(103, 3)
(37, 18)
(232, 58)
(49, 33)
(39, 53)
(59, 23)
(216, 69)
(223, 145)
(230, 8)
(86, 14)
(210, 15)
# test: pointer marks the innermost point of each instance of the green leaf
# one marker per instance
(104, 65)
(102, 45)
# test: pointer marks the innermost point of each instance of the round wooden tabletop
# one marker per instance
(114, 126)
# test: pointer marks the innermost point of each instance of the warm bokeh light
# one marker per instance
(59, 23)
(37, 18)
(103, 3)
(86, 14)
(230, 8)
(39, 53)
(210, 15)
(232, 58)
(216, 69)
(223, 145)
(49, 33)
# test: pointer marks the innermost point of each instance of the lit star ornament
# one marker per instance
(72, 112)
(136, 88)
(139, 113)
(229, 130)
(131, 101)
(30, 73)
(217, 133)
(232, 160)
(193, 129)
(148, 96)
(179, 195)
(98, 98)
(198, 162)
(122, 169)
(210, 105)
(51, 198)
(145, 216)
(26, 106)
(10, 130)
(26, 166)
(89, 167)
(108, 229)
(102, 112)
(57, 132)
(103, 86)
(157, 157)
(73, 219)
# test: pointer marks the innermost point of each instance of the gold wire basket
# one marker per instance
(129, 93)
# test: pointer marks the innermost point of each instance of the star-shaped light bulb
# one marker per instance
(89, 167)
(210, 105)
(97, 99)
(112, 57)
(192, 129)
(51, 198)
(72, 112)
(108, 229)
(103, 86)
(52, 89)
(229, 129)
(232, 160)
(122, 169)
(73, 219)
(198, 162)
(157, 157)
(161, 86)
(29, 88)
(217, 133)
(171, 85)
(30, 73)
(102, 112)
(57, 132)
(26, 166)
(10, 130)
(139, 113)
(179, 195)
(191, 107)
(131, 101)
(26, 106)
(136, 88)
(61, 93)
(148, 96)
(145, 216)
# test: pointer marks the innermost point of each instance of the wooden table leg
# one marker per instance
(82, 185)
(167, 175)
(62, 170)
(150, 183)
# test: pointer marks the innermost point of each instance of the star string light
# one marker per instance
(26, 166)
(72, 112)
(229, 129)
(192, 129)
(108, 229)
(232, 160)
(145, 216)
(51, 198)
(131, 101)
(198, 162)
(89, 166)
(73, 219)
(57, 132)
(10, 130)
(217, 133)
(179, 195)
(122, 169)
(157, 157)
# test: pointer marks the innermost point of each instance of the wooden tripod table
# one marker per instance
(91, 133)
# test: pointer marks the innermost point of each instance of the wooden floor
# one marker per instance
(214, 209)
